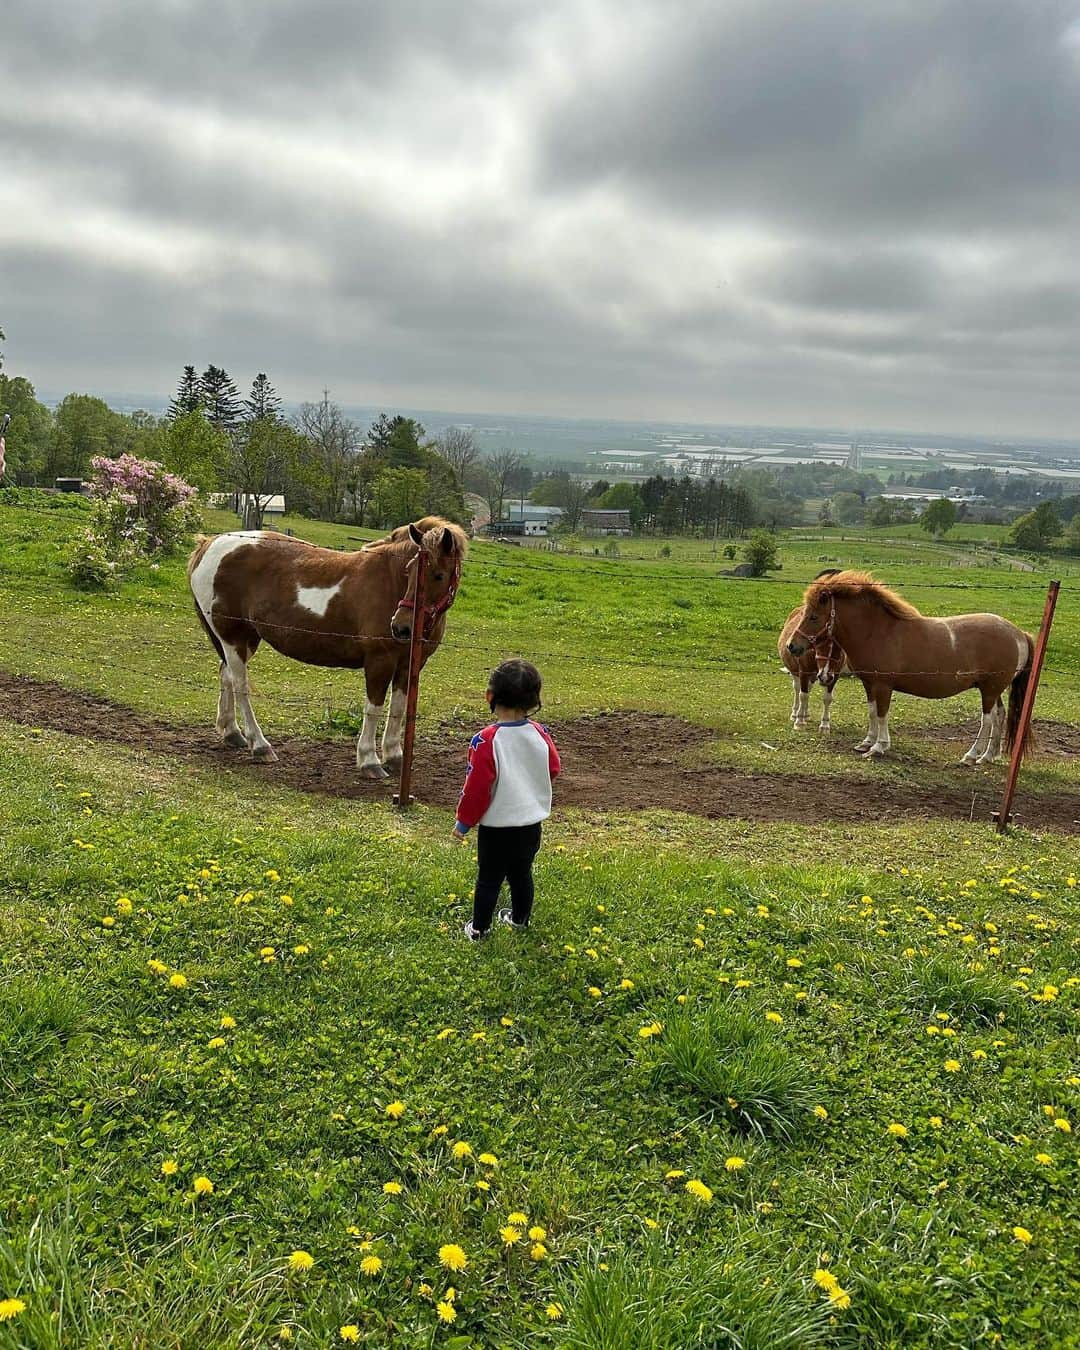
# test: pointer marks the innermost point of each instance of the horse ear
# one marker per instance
(415, 535)
(448, 541)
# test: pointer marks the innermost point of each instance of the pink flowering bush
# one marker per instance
(140, 511)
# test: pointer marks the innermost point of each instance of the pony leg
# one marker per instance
(795, 698)
(802, 704)
(882, 740)
(872, 726)
(981, 741)
(367, 759)
(997, 735)
(392, 735)
(227, 728)
(261, 749)
(826, 706)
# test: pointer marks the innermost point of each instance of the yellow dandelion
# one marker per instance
(227, 1023)
(773, 1017)
(301, 949)
(392, 1187)
(506, 1021)
(674, 1174)
(445, 1034)
(370, 1266)
(593, 992)
(952, 1066)
(553, 1312)
(650, 1029)
(1043, 1158)
(538, 1251)
(123, 905)
(301, 1261)
(158, 967)
(735, 1164)
(1063, 1125)
(447, 1312)
(461, 1150)
(203, 1186)
(510, 1235)
(169, 1167)
(178, 981)
(537, 1234)
(793, 963)
(488, 1159)
(215, 1042)
(11, 1307)
(699, 1191)
(821, 1113)
(1021, 1235)
(839, 1298)
(395, 1110)
(936, 1122)
(897, 1130)
(452, 1257)
(350, 1333)
(825, 1279)
(626, 984)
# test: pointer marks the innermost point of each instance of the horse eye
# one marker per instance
(440, 576)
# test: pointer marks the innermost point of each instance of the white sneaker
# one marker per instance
(471, 933)
(507, 916)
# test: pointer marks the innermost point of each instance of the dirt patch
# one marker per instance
(622, 761)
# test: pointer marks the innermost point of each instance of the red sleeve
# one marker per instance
(479, 779)
(554, 762)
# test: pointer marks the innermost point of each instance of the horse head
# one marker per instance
(442, 545)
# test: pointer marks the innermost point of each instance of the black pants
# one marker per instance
(504, 854)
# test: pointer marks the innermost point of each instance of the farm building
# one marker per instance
(526, 519)
(233, 501)
(605, 522)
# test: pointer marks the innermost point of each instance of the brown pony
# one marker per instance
(891, 647)
(325, 608)
(823, 664)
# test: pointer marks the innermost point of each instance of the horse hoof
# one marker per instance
(392, 765)
(235, 740)
(375, 772)
(264, 754)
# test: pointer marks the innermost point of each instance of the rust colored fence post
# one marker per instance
(1002, 817)
(403, 797)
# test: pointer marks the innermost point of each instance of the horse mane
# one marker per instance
(859, 585)
(400, 535)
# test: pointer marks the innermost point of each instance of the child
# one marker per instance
(507, 793)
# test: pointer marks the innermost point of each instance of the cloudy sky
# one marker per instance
(858, 213)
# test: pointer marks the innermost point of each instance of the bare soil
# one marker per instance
(620, 761)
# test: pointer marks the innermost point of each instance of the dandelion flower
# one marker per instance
(123, 905)
(735, 1164)
(821, 1113)
(793, 963)
(461, 1150)
(773, 1017)
(392, 1188)
(952, 1066)
(1043, 1158)
(452, 1257)
(593, 992)
(350, 1333)
(699, 1190)
(538, 1251)
(228, 1023)
(1021, 1235)
(650, 1029)
(553, 1312)
(447, 1312)
(445, 1034)
(488, 1159)
(301, 949)
(215, 1042)
(395, 1110)
(11, 1307)
(825, 1279)
(626, 984)
(158, 967)
(370, 1266)
(674, 1174)
(301, 1261)
(897, 1130)
(1063, 1125)
(517, 1218)
(839, 1298)
(936, 1122)
(510, 1235)
(177, 980)
(537, 1234)
(203, 1186)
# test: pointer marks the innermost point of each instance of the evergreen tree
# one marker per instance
(263, 400)
(188, 398)
(220, 398)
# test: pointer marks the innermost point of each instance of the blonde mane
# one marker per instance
(400, 535)
(858, 586)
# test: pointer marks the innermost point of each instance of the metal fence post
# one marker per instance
(1001, 817)
(403, 797)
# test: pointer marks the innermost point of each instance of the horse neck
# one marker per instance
(861, 626)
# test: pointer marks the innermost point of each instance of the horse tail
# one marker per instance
(1017, 690)
(202, 543)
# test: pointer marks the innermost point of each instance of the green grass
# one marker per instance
(288, 1117)
(527, 1048)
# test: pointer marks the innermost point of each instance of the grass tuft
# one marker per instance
(726, 1056)
(939, 984)
(36, 1018)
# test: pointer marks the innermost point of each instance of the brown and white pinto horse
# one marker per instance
(327, 609)
(891, 647)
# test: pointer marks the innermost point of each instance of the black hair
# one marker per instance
(515, 684)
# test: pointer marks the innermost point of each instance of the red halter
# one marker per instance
(830, 650)
(441, 605)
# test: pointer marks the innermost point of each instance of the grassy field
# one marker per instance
(758, 1086)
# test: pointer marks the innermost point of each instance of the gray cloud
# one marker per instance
(763, 211)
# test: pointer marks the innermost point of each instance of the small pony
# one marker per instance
(891, 647)
(327, 609)
(823, 665)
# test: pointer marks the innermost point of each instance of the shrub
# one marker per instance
(665, 551)
(761, 552)
(611, 548)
